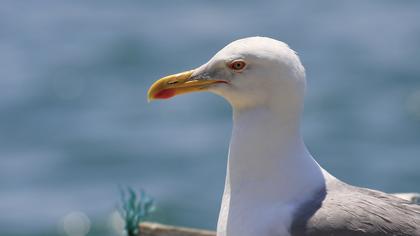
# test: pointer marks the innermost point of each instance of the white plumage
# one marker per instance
(273, 184)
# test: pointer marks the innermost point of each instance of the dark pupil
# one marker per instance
(238, 65)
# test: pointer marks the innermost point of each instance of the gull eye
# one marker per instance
(237, 65)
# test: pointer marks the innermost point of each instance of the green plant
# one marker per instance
(135, 207)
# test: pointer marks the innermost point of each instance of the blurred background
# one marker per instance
(75, 123)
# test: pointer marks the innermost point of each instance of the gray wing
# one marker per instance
(341, 209)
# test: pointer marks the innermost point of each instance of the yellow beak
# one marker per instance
(181, 83)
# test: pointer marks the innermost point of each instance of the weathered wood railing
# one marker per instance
(154, 229)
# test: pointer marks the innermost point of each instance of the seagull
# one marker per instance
(274, 187)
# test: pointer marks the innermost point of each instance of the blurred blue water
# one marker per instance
(74, 121)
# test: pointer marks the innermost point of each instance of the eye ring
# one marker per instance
(237, 65)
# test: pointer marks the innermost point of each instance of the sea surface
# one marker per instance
(75, 123)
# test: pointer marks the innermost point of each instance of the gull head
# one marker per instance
(249, 72)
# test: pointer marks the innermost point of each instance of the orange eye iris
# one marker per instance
(237, 65)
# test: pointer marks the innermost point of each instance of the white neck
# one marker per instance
(269, 169)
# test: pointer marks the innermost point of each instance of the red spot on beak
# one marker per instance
(165, 94)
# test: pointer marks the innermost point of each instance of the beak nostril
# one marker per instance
(173, 82)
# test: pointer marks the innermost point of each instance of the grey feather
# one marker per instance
(339, 209)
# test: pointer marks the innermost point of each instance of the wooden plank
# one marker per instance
(155, 229)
